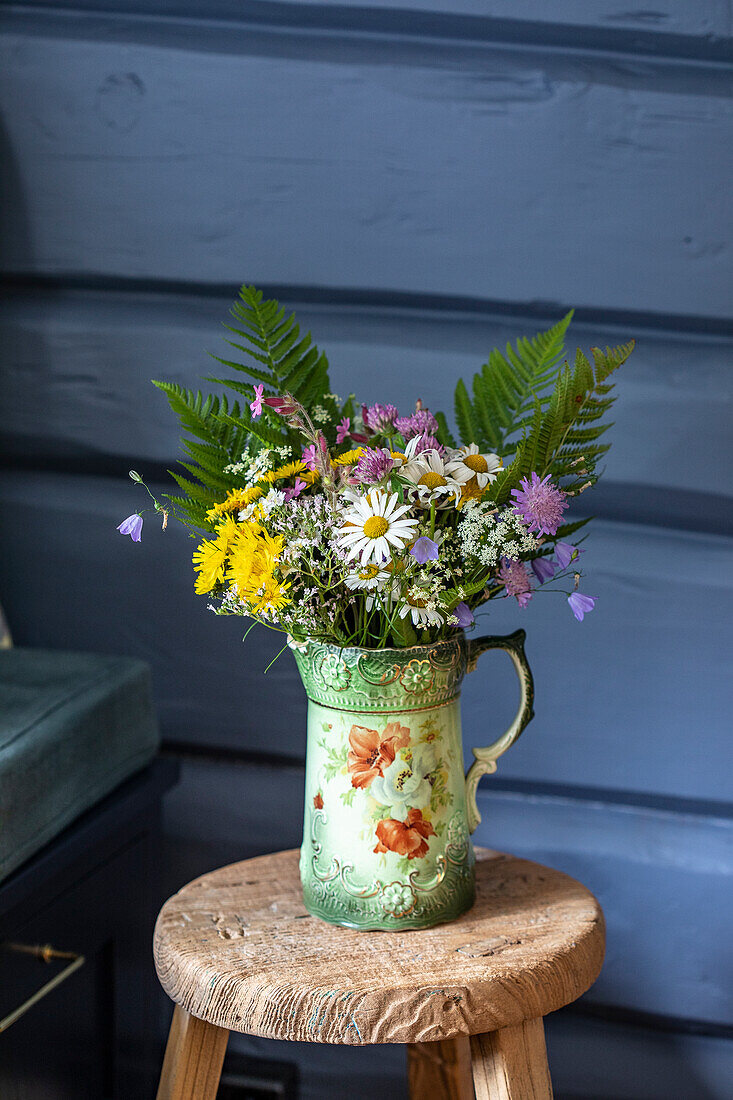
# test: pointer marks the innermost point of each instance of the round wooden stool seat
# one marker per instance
(237, 949)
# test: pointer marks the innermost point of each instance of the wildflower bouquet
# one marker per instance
(361, 526)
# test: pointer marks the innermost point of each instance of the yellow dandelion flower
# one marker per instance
(348, 458)
(235, 501)
(283, 472)
(253, 559)
(271, 597)
(310, 477)
(210, 563)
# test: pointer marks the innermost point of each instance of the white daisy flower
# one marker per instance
(430, 480)
(369, 577)
(421, 615)
(468, 462)
(373, 525)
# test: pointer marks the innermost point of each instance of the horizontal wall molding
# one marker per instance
(566, 27)
(29, 287)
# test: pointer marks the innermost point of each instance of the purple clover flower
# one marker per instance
(379, 418)
(424, 549)
(373, 466)
(464, 615)
(421, 422)
(424, 442)
(132, 526)
(543, 569)
(565, 552)
(580, 605)
(540, 503)
(516, 580)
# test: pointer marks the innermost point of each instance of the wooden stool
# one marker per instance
(237, 951)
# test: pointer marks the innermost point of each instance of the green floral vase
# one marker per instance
(388, 810)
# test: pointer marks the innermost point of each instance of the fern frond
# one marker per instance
(507, 387)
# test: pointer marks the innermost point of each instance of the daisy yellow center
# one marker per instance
(375, 527)
(477, 463)
(431, 480)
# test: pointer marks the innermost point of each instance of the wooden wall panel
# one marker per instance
(155, 149)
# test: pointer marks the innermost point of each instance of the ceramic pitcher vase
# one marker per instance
(388, 810)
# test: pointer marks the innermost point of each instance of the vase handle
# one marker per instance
(485, 759)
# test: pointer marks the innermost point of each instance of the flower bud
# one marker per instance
(135, 476)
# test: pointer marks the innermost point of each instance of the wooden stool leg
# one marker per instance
(193, 1059)
(511, 1064)
(440, 1070)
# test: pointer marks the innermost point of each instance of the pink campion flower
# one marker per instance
(515, 578)
(310, 457)
(540, 503)
(132, 526)
(256, 405)
(580, 605)
(285, 406)
(342, 429)
(297, 489)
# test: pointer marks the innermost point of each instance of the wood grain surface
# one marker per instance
(511, 1064)
(237, 948)
(440, 1070)
(193, 1059)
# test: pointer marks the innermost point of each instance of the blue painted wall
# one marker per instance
(420, 182)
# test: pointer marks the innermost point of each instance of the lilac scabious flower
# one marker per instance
(463, 615)
(373, 466)
(543, 569)
(132, 526)
(515, 578)
(424, 549)
(565, 552)
(540, 503)
(421, 422)
(580, 605)
(379, 418)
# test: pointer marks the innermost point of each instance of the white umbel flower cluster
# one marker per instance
(487, 536)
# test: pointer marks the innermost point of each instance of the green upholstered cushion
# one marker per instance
(72, 727)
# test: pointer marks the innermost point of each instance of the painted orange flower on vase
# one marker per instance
(370, 751)
(407, 838)
(318, 801)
